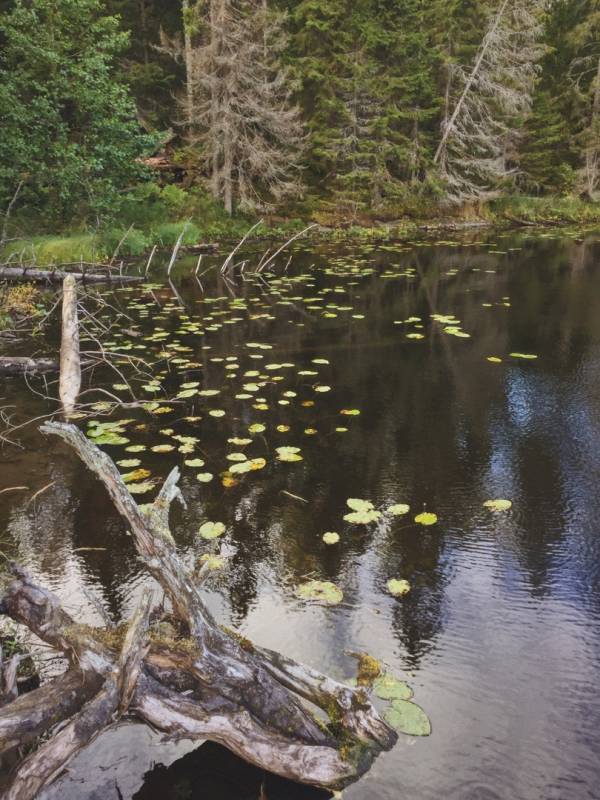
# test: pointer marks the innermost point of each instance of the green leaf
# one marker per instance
(288, 454)
(426, 518)
(388, 687)
(409, 718)
(331, 537)
(498, 505)
(212, 530)
(321, 591)
(399, 509)
(398, 587)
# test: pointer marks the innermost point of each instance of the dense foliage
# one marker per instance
(360, 107)
(69, 130)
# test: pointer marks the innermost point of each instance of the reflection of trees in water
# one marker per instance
(435, 419)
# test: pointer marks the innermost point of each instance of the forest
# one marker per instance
(299, 399)
(143, 114)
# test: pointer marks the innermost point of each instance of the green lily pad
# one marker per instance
(528, 356)
(398, 587)
(331, 537)
(288, 454)
(399, 509)
(212, 530)
(212, 562)
(241, 468)
(194, 462)
(321, 591)
(388, 687)
(498, 505)
(426, 518)
(359, 505)
(204, 477)
(409, 718)
(140, 488)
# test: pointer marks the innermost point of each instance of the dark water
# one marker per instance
(500, 633)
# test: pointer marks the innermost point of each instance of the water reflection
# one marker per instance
(500, 634)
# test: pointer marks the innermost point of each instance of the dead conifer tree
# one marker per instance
(237, 106)
(494, 99)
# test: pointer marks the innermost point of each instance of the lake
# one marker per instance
(372, 358)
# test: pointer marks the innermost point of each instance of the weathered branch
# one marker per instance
(36, 712)
(249, 699)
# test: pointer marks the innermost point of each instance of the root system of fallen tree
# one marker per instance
(206, 682)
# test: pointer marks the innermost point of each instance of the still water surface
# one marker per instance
(500, 634)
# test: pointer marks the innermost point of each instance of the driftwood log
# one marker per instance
(207, 682)
(58, 275)
(19, 365)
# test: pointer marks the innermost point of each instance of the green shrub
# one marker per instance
(166, 235)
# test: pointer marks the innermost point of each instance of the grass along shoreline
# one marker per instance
(100, 246)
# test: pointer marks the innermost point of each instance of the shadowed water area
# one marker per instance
(499, 636)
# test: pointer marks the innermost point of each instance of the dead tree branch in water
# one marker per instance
(207, 683)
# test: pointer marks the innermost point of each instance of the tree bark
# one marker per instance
(52, 275)
(70, 360)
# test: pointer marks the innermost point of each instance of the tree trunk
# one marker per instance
(482, 51)
(70, 363)
(52, 275)
(250, 699)
(189, 63)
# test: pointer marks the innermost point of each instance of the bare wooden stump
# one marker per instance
(272, 711)
(70, 361)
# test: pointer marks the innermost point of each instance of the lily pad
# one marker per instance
(212, 530)
(194, 462)
(398, 587)
(388, 687)
(498, 505)
(288, 454)
(321, 591)
(527, 356)
(409, 718)
(426, 518)
(398, 509)
(331, 537)
(204, 477)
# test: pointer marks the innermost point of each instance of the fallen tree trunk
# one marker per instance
(259, 704)
(17, 365)
(32, 274)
